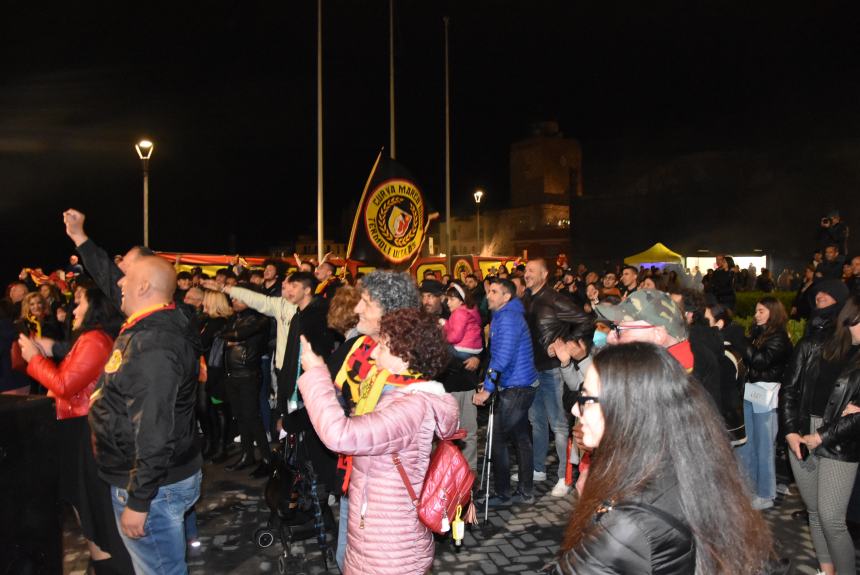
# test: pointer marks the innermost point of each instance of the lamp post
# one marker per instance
(144, 151)
(478, 195)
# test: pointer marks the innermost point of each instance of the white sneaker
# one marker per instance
(536, 476)
(760, 503)
(783, 489)
(560, 489)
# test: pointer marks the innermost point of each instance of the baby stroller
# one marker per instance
(298, 505)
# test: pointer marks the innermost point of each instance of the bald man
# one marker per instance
(142, 419)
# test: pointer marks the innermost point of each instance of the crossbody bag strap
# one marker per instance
(396, 459)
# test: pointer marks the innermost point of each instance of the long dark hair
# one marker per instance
(101, 314)
(776, 322)
(659, 422)
(837, 346)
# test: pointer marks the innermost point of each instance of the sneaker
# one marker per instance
(237, 439)
(522, 498)
(536, 476)
(760, 503)
(783, 489)
(560, 489)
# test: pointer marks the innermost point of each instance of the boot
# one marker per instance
(263, 470)
(243, 462)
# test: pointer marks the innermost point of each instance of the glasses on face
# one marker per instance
(619, 329)
(582, 400)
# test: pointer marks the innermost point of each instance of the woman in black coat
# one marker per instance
(643, 509)
(822, 424)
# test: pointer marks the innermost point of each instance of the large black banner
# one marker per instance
(391, 222)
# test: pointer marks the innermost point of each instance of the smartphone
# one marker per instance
(804, 452)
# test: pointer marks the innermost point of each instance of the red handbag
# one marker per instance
(447, 484)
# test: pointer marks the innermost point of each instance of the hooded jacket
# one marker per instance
(511, 358)
(142, 411)
(384, 535)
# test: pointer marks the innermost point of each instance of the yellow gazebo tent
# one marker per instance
(656, 254)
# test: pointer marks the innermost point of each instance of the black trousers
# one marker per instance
(243, 393)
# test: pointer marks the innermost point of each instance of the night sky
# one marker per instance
(227, 92)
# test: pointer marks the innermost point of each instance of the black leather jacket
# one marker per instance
(795, 396)
(245, 337)
(551, 316)
(629, 539)
(768, 362)
(840, 436)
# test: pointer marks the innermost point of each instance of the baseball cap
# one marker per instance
(432, 287)
(648, 305)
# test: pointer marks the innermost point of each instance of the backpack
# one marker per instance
(447, 485)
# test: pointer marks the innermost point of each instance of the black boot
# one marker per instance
(243, 462)
(263, 470)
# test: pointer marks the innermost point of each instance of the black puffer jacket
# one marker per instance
(245, 338)
(142, 412)
(551, 316)
(631, 539)
(840, 436)
(768, 361)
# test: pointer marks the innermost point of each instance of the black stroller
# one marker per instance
(298, 504)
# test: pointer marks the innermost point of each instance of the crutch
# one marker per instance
(488, 457)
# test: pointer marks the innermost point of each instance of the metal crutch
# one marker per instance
(488, 457)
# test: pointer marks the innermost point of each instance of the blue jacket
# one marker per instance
(511, 353)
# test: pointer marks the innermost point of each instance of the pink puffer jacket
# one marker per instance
(392, 541)
(463, 328)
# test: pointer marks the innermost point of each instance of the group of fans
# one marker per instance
(365, 368)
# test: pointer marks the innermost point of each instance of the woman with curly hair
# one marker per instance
(657, 439)
(401, 410)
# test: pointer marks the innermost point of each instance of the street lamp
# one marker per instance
(478, 195)
(144, 151)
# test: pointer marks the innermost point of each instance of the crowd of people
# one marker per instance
(635, 381)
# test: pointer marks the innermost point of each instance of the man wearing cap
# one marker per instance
(460, 378)
(550, 316)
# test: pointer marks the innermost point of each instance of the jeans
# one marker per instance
(469, 422)
(757, 455)
(161, 550)
(546, 412)
(511, 423)
(342, 524)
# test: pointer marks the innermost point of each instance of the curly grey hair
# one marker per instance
(393, 290)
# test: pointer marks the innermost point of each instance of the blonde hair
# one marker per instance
(215, 304)
(25, 304)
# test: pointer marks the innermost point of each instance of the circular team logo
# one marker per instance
(393, 219)
(462, 267)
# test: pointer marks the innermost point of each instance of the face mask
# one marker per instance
(599, 338)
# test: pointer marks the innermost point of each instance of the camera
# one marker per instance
(825, 221)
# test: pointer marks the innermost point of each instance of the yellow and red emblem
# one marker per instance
(393, 218)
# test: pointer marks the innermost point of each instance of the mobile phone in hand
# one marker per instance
(804, 452)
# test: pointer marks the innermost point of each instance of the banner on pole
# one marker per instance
(390, 225)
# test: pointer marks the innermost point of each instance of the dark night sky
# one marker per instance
(227, 92)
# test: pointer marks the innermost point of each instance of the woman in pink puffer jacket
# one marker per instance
(384, 535)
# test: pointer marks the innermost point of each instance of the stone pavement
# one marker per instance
(520, 539)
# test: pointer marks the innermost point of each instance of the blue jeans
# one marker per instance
(342, 523)
(511, 423)
(757, 456)
(547, 412)
(161, 550)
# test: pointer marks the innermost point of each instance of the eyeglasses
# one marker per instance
(582, 400)
(619, 329)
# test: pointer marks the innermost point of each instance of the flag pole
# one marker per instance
(391, 150)
(320, 230)
(447, 158)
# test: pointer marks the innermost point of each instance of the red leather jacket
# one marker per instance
(72, 382)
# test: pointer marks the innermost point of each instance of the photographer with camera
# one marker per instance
(833, 231)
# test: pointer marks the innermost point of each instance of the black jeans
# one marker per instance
(243, 393)
(511, 423)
